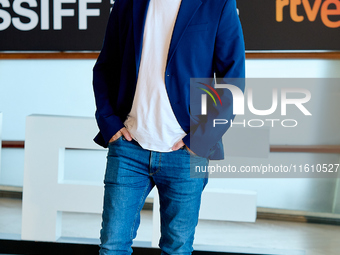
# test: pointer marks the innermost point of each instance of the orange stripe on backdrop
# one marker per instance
(249, 55)
(273, 148)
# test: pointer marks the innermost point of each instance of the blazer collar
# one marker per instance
(140, 8)
(186, 12)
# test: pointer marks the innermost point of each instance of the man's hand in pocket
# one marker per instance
(123, 131)
(179, 145)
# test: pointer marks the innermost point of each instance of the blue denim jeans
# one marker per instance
(130, 175)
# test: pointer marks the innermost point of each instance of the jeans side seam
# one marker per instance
(139, 209)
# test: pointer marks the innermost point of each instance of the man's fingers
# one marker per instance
(178, 145)
(126, 134)
(115, 137)
(122, 132)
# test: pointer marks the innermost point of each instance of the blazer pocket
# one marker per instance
(197, 27)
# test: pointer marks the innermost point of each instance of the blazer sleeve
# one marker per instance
(229, 64)
(105, 79)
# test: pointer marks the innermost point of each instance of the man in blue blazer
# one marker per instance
(141, 81)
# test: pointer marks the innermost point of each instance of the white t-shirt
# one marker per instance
(151, 120)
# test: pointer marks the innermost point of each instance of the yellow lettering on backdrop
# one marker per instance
(325, 12)
(311, 12)
(279, 9)
(293, 11)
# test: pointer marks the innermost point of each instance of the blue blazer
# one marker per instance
(207, 39)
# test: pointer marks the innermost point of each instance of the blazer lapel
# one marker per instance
(185, 14)
(140, 8)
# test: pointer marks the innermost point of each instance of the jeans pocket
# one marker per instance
(117, 140)
(191, 153)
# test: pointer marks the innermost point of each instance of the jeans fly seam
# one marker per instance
(150, 163)
(159, 164)
(139, 208)
(158, 167)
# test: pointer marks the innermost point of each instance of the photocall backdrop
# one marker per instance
(79, 25)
